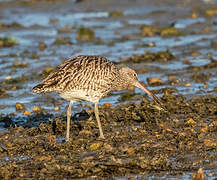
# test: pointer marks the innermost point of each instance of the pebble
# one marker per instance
(154, 81)
(20, 107)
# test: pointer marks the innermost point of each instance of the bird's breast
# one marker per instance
(82, 95)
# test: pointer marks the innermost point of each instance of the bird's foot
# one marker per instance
(101, 136)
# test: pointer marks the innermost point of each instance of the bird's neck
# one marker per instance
(120, 83)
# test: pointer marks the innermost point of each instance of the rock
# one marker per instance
(63, 41)
(56, 108)
(37, 109)
(115, 14)
(161, 56)
(95, 146)
(154, 81)
(149, 30)
(187, 84)
(7, 42)
(26, 113)
(18, 64)
(20, 107)
(190, 121)
(42, 46)
(199, 175)
(65, 29)
(169, 31)
(107, 105)
(85, 35)
(210, 143)
(211, 12)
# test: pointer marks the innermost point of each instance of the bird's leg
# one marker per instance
(69, 113)
(98, 121)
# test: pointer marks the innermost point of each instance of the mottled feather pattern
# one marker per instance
(87, 73)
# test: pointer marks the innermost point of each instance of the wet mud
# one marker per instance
(170, 44)
(140, 139)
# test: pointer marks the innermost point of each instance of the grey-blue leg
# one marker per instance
(69, 113)
(98, 121)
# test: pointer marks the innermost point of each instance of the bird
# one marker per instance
(89, 78)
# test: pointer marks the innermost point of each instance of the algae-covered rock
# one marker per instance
(169, 31)
(162, 56)
(115, 14)
(95, 146)
(211, 12)
(20, 107)
(17, 64)
(3, 93)
(63, 41)
(16, 80)
(7, 42)
(154, 81)
(42, 46)
(85, 34)
(149, 30)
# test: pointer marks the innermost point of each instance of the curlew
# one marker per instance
(88, 78)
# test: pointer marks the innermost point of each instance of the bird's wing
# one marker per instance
(82, 72)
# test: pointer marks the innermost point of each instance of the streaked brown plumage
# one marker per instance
(88, 78)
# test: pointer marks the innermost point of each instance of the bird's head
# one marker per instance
(129, 77)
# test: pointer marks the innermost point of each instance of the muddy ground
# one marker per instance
(171, 45)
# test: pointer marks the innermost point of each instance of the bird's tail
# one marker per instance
(40, 88)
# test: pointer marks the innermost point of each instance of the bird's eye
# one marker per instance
(135, 75)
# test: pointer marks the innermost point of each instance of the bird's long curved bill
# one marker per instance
(149, 93)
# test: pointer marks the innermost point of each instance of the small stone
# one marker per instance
(151, 44)
(186, 61)
(194, 15)
(37, 108)
(187, 84)
(107, 105)
(130, 151)
(148, 30)
(85, 35)
(115, 14)
(211, 12)
(27, 113)
(43, 170)
(17, 64)
(63, 41)
(199, 175)
(85, 132)
(20, 107)
(204, 129)
(195, 54)
(190, 121)
(169, 31)
(8, 78)
(56, 108)
(54, 20)
(95, 146)
(154, 81)
(108, 147)
(205, 86)
(210, 143)
(65, 29)
(42, 46)
(172, 78)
